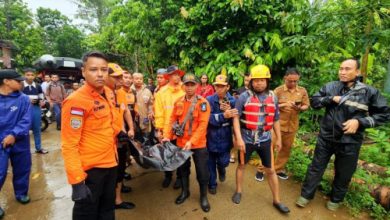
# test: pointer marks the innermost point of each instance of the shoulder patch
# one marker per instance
(203, 106)
(76, 123)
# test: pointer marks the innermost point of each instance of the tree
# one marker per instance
(94, 11)
(138, 37)
(69, 42)
(52, 22)
(332, 30)
(213, 35)
(16, 24)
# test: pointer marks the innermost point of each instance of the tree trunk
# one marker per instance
(367, 32)
(136, 61)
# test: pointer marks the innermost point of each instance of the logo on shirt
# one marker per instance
(14, 108)
(203, 107)
(76, 123)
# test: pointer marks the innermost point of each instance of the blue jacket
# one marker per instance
(219, 130)
(15, 120)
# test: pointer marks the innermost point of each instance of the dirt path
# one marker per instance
(50, 195)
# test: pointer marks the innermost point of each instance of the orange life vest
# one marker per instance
(254, 108)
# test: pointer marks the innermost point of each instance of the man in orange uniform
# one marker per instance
(131, 105)
(88, 135)
(163, 106)
(130, 97)
(189, 120)
(114, 82)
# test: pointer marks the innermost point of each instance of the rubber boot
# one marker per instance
(185, 191)
(204, 202)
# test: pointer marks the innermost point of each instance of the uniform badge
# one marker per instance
(77, 111)
(76, 123)
(203, 106)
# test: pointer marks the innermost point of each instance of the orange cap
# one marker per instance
(115, 70)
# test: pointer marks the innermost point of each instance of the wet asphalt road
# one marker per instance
(50, 195)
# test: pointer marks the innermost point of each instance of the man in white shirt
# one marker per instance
(45, 83)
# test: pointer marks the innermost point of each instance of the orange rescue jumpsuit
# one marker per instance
(89, 130)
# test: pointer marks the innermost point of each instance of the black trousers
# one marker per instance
(168, 174)
(122, 156)
(201, 157)
(101, 182)
(345, 163)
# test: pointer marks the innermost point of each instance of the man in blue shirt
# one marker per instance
(219, 131)
(15, 122)
(34, 91)
(258, 114)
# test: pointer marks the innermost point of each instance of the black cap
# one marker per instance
(174, 69)
(10, 74)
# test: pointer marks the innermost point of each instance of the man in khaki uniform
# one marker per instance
(293, 99)
(144, 104)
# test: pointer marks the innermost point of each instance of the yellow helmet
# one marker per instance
(260, 72)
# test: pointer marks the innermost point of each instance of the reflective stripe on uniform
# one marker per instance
(356, 105)
(258, 113)
(255, 123)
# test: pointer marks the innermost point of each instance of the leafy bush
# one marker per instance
(379, 152)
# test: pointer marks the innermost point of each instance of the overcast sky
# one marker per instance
(66, 7)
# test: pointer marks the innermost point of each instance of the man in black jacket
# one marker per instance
(351, 106)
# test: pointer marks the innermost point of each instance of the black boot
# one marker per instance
(185, 191)
(177, 184)
(204, 202)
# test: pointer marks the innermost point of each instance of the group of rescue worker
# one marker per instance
(114, 106)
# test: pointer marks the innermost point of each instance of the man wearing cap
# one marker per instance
(34, 91)
(89, 141)
(114, 82)
(161, 81)
(188, 122)
(293, 99)
(258, 114)
(219, 131)
(15, 122)
(163, 107)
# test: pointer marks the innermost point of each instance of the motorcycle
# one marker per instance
(45, 117)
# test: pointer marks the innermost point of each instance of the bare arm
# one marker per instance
(278, 135)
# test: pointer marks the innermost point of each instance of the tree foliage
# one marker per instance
(16, 25)
(207, 36)
(49, 32)
(94, 12)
